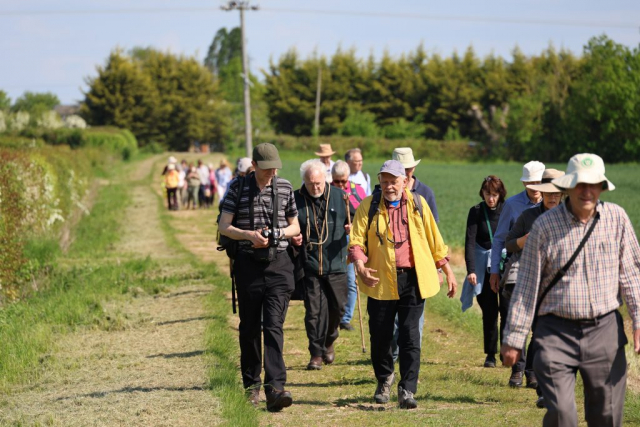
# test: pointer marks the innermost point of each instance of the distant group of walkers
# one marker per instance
(191, 187)
(553, 259)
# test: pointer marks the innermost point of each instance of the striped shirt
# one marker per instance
(262, 212)
(607, 269)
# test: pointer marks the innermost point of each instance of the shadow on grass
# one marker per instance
(359, 362)
(452, 399)
(179, 294)
(101, 394)
(343, 382)
(177, 355)
(191, 319)
(360, 405)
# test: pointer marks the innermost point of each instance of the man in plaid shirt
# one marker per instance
(579, 327)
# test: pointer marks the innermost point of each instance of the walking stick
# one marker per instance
(364, 348)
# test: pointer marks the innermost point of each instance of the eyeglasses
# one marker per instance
(340, 181)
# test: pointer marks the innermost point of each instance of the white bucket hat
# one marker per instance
(405, 156)
(532, 171)
(584, 169)
(172, 160)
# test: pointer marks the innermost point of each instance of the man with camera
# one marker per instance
(263, 270)
(322, 210)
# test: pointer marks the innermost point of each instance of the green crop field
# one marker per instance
(456, 187)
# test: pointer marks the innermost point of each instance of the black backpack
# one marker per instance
(226, 243)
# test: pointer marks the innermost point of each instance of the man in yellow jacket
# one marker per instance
(396, 258)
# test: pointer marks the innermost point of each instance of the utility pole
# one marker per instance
(242, 6)
(316, 124)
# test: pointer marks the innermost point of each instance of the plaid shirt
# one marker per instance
(607, 268)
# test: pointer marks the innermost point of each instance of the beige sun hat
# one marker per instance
(546, 186)
(325, 151)
(405, 156)
(584, 168)
(532, 171)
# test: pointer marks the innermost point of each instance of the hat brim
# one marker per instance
(269, 164)
(324, 154)
(409, 165)
(571, 180)
(545, 188)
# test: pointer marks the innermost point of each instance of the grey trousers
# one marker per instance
(594, 348)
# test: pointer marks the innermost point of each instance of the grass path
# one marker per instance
(145, 366)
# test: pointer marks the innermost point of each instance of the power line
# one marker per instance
(360, 14)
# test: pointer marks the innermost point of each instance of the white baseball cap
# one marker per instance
(244, 163)
(532, 171)
(584, 168)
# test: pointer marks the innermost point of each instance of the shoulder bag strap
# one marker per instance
(274, 202)
(566, 267)
(486, 218)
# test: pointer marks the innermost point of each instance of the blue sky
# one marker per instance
(45, 50)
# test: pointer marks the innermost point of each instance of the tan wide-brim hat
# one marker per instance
(546, 186)
(405, 156)
(325, 151)
(584, 168)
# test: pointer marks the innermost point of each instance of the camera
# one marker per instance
(274, 235)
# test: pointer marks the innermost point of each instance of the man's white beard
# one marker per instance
(395, 198)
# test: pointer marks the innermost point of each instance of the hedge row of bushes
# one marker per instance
(43, 182)
(116, 140)
(374, 147)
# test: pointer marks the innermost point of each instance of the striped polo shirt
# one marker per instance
(262, 212)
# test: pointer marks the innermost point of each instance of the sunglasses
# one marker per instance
(340, 181)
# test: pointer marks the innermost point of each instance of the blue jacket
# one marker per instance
(469, 292)
(513, 208)
(425, 191)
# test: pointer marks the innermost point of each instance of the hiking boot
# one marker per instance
(253, 396)
(540, 402)
(405, 399)
(516, 379)
(315, 364)
(346, 326)
(490, 361)
(329, 355)
(532, 382)
(383, 391)
(276, 400)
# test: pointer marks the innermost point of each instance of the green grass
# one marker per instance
(456, 186)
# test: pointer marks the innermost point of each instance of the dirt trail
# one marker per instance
(151, 372)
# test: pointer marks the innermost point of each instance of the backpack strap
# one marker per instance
(354, 191)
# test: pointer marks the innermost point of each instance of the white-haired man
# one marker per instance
(580, 259)
(354, 159)
(396, 252)
(322, 214)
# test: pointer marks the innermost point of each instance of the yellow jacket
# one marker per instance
(427, 248)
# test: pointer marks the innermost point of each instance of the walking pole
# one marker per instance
(364, 348)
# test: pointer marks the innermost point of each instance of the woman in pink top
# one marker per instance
(340, 178)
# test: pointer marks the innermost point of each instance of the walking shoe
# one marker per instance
(516, 379)
(540, 402)
(276, 400)
(315, 364)
(532, 382)
(405, 399)
(383, 391)
(346, 326)
(490, 361)
(253, 396)
(329, 355)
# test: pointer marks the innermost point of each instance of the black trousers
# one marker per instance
(382, 314)
(264, 290)
(492, 304)
(172, 199)
(324, 302)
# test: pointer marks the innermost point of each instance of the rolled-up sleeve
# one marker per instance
(523, 300)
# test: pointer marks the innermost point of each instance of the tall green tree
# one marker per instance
(5, 101)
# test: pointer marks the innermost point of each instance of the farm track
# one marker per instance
(150, 369)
